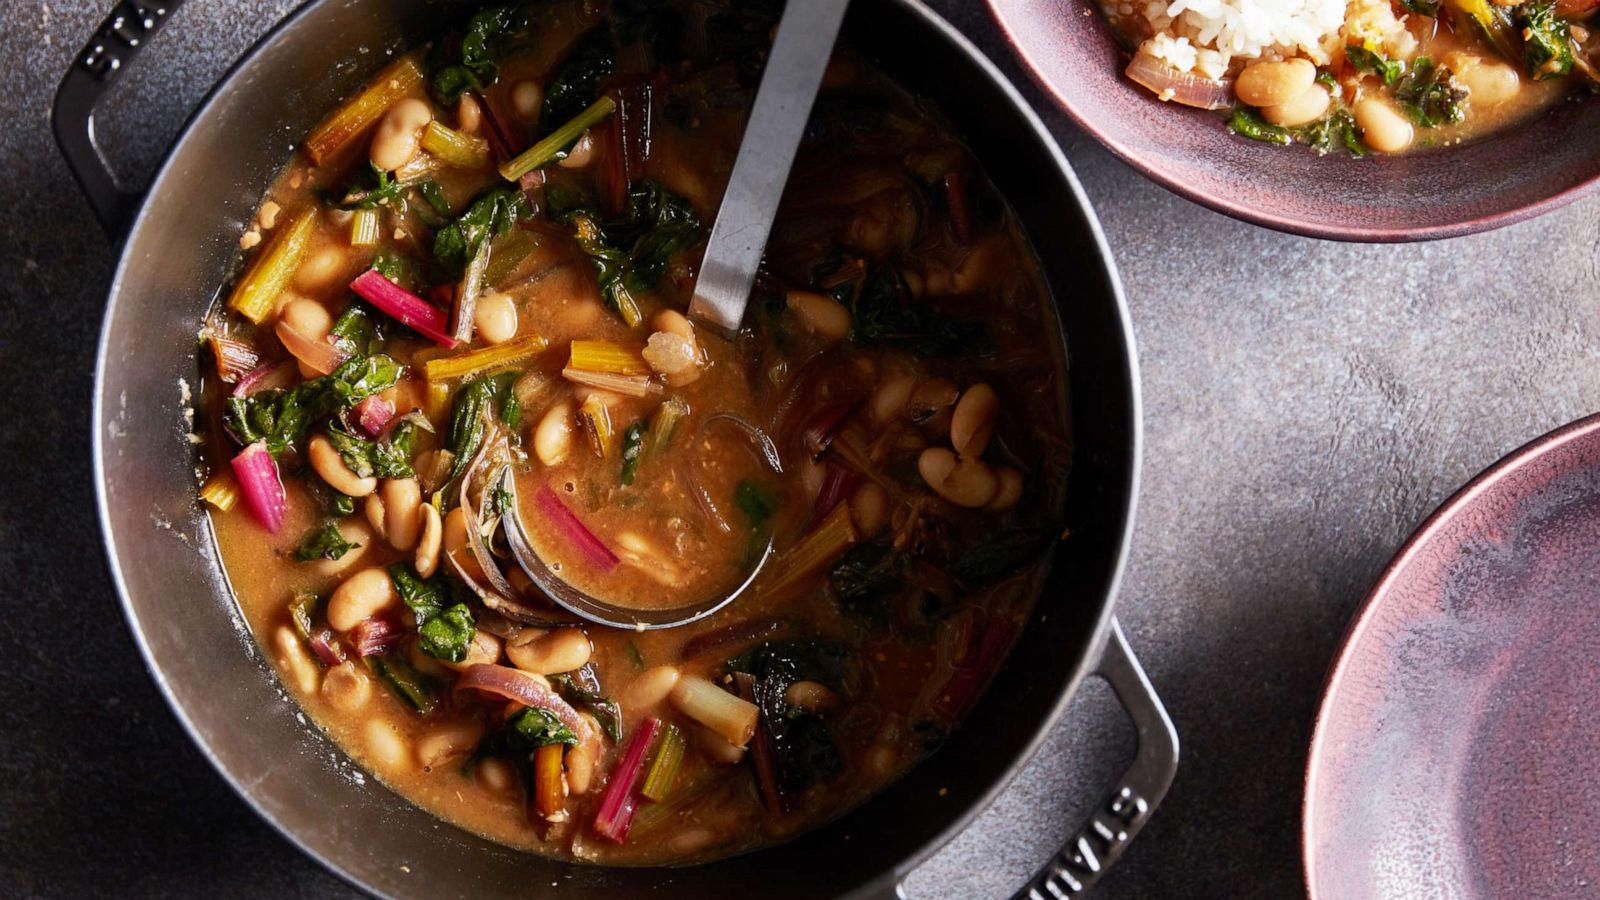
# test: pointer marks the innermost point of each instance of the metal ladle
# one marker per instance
(800, 52)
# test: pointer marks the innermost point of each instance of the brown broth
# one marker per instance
(909, 661)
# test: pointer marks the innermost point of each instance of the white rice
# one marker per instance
(1205, 36)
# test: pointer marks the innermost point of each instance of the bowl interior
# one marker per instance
(1512, 175)
(1447, 749)
(183, 247)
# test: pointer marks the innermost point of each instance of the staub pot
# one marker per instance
(178, 241)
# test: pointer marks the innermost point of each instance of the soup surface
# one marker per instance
(457, 348)
(1361, 76)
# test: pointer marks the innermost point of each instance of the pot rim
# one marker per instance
(1133, 451)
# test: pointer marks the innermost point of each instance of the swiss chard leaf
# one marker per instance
(490, 215)
(864, 576)
(577, 83)
(283, 417)
(526, 731)
(757, 502)
(1001, 553)
(490, 36)
(1247, 123)
(1546, 39)
(387, 458)
(323, 542)
(1428, 8)
(883, 312)
(1372, 62)
(630, 252)
(448, 635)
(355, 332)
(473, 402)
(803, 750)
(444, 623)
(1429, 94)
(1337, 130)
(632, 450)
(603, 708)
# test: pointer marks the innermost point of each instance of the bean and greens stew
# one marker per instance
(458, 340)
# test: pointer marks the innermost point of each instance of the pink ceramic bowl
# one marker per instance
(1516, 174)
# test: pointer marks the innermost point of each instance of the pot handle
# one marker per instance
(130, 24)
(1102, 841)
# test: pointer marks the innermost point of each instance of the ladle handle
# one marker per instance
(794, 71)
(124, 32)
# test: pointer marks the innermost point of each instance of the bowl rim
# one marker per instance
(1246, 213)
(1340, 669)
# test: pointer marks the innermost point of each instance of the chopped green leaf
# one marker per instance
(631, 252)
(1429, 94)
(448, 635)
(415, 688)
(355, 332)
(282, 418)
(444, 623)
(604, 709)
(1428, 8)
(864, 576)
(757, 502)
(632, 448)
(1370, 61)
(490, 36)
(883, 312)
(577, 83)
(387, 458)
(491, 214)
(999, 554)
(1246, 123)
(1546, 39)
(1337, 130)
(323, 542)
(634, 655)
(473, 402)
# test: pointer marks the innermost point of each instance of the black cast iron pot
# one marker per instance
(180, 245)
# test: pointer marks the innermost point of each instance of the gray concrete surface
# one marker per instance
(1307, 404)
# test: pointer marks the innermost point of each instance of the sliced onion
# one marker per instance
(322, 644)
(1186, 88)
(235, 359)
(373, 415)
(320, 355)
(524, 688)
(265, 377)
(472, 283)
(376, 635)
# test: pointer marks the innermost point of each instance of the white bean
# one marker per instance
(526, 98)
(443, 744)
(298, 666)
(398, 134)
(385, 749)
(1008, 490)
(651, 687)
(360, 597)
(561, 650)
(496, 317)
(1304, 109)
(553, 437)
(1384, 129)
(972, 422)
(964, 482)
(330, 467)
(402, 517)
(428, 545)
(1271, 82)
(823, 316)
(346, 688)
